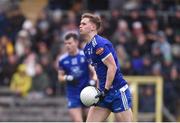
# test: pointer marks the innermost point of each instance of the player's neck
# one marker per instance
(74, 53)
(90, 36)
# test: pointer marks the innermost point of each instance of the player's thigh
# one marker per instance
(97, 114)
(125, 116)
(76, 114)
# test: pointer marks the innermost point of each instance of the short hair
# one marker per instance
(71, 35)
(94, 19)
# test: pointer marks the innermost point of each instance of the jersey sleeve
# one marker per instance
(102, 51)
(60, 65)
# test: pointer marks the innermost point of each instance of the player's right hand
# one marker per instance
(92, 82)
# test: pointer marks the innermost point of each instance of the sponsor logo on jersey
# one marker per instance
(99, 51)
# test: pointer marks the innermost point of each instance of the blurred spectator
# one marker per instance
(176, 49)
(156, 54)
(123, 59)
(169, 34)
(46, 61)
(164, 46)
(44, 29)
(141, 44)
(116, 15)
(56, 47)
(147, 100)
(122, 33)
(146, 70)
(3, 23)
(170, 94)
(43, 50)
(43, 32)
(29, 27)
(151, 15)
(70, 22)
(134, 16)
(136, 61)
(30, 60)
(157, 69)
(76, 6)
(174, 21)
(56, 20)
(137, 28)
(6, 46)
(151, 31)
(57, 88)
(40, 84)
(22, 43)
(21, 82)
(122, 36)
(15, 19)
(7, 70)
(175, 79)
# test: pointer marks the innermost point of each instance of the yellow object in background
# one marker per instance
(21, 82)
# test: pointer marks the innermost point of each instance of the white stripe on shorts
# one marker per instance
(124, 100)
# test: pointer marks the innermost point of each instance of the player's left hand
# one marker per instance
(102, 94)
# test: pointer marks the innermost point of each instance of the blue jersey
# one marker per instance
(76, 66)
(96, 51)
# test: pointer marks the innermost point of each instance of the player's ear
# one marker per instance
(93, 27)
(77, 42)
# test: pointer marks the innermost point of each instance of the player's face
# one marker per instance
(71, 45)
(85, 26)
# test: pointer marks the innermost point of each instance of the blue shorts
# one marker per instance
(117, 100)
(74, 102)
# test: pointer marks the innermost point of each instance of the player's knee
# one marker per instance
(89, 119)
(77, 119)
(125, 116)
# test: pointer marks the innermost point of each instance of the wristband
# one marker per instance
(68, 77)
(106, 91)
(92, 82)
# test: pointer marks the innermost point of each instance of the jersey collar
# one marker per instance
(91, 40)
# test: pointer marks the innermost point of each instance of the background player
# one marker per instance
(115, 95)
(75, 71)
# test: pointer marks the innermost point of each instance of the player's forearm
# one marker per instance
(110, 76)
(61, 75)
(94, 77)
(93, 73)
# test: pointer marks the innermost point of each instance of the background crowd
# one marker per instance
(146, 35)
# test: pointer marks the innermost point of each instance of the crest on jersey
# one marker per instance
(99, 51)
